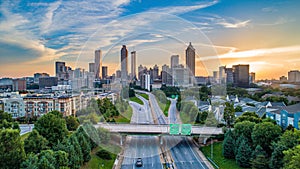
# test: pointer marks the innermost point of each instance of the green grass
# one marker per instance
(124, 117)
(137, 100)
(24, 136)
(164, 107)
(222, 162)
(96, 162)
(144, 96)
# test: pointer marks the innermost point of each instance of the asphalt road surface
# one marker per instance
(145, 147)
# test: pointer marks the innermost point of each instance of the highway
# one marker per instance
(172, 112)
(161, 119)
(180, 147)
(145, 147)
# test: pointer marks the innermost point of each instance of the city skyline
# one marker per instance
(263, 34)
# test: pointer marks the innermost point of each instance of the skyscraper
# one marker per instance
(104, 72)
(91, 67)
(98, 63)
(190, 60)
(124, 64)
(294, 76)
(166, 76)
(222, 77)
(133, 64)
(155, 72)
(61, 72)
(241, 75)
(174, 60)
(252, 77)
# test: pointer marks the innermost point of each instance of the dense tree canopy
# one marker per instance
(265, 133)
(12, 151)
(229, 114)
(52, 126)
(34, 143)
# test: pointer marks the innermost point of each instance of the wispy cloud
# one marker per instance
(256, 53)
(234, 24)
(177, 10)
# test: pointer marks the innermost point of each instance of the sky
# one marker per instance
(265, 34)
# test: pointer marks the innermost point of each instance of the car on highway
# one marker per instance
(139, 162)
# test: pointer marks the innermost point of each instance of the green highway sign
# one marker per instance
(186, 129)
(174, 129)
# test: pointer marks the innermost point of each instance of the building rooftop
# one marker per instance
(293, 108)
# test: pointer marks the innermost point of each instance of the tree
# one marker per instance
(31, 162)
(49, 155)
(291, 158)
(248, 116)
(72, 123)
(229, 114)
(259, 158)
(66, 146)
(12, 151)
(244, 129)
(61, 158)
(52, 127)
(104, 135)
(238, 109)
(35, 143)
(228, 146)
(243, 156)
(288, 140)
(85, 146)
(211, 119)
(264, 133)
(74, 141)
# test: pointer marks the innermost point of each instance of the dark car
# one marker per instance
(139, 162)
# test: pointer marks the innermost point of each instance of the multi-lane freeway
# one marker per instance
(145, 147)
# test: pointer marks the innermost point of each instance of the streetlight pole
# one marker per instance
(212, 149)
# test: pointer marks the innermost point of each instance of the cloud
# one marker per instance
(269, 9)
(234, 24)
(280, 21)
(47, 21)
(256, 53)
(177, 10)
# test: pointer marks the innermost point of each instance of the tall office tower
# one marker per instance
(222, 75)
(104, 72)
(240, 75)
(229, 75)
(294, 76)
(180, 76)
(145, 81)
(215, 76)
(155, 72)
(61, 72)
(118, 74)
(174, 60)
(166, 75)
(91, 67)
(98, 63)
(133, 65)
(124, 65)
(190, 60)
(141, 71)
(252, 77)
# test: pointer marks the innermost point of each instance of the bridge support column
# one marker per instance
(204, 140)
(122, 139)
(160, 140)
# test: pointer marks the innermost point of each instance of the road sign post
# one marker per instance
(186, 129)
(174, 129)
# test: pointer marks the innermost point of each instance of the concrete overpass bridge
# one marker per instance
(155, 129)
